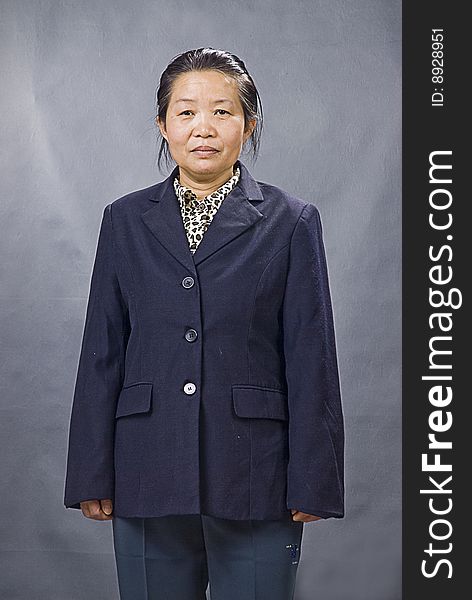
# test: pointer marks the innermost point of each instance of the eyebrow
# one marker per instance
(215, 102)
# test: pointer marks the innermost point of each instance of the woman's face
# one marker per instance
(205, 110)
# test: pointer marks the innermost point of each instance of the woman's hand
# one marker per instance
(298, 515)
(100, 510)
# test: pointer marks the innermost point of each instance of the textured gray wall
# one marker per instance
(78, 83)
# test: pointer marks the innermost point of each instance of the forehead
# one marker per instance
(196, 86)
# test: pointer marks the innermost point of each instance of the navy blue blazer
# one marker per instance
(208, 383)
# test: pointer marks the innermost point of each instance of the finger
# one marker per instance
(107, 506)
(85, 506)
(92, 510)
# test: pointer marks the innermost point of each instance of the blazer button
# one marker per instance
(191, 335)
(188, 282)
(189, 388)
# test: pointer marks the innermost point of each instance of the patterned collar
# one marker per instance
(189, 201)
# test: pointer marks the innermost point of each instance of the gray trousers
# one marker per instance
(175, 557)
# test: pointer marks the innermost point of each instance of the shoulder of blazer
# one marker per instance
(294, 205)
(135, 200)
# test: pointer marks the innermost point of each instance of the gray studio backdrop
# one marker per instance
(78, 83)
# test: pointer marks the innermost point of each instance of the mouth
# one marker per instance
(204, 151)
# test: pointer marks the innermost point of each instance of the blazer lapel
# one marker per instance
(235, 215)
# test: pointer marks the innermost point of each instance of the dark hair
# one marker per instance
(203, 59)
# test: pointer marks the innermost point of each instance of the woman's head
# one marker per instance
(206, 97)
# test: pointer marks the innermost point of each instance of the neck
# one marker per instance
(204, 188)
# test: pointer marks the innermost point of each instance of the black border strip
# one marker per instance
(435, 263)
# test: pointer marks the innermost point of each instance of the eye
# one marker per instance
(222, 110)
(185, 111)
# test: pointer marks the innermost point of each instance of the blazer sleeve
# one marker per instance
(315, 475)
(90, 459)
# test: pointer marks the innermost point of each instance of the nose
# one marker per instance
(203, 127)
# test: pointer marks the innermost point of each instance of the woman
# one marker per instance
(207, 421)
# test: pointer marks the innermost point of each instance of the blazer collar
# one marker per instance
(235, 215)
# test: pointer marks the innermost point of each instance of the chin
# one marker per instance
(204, 164)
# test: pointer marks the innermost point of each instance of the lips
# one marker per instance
(204, 150)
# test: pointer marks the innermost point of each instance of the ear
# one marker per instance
(162, 127)
(250, 128)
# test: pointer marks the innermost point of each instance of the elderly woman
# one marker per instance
(207, 421)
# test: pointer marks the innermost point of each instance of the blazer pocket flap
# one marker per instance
(259, 402)
(135, 398)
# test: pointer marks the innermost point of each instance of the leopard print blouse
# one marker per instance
(198, 214)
